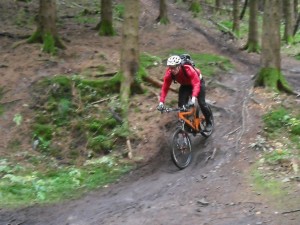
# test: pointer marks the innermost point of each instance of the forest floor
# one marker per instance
(215, 191)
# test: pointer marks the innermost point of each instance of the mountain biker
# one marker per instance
(191, 84)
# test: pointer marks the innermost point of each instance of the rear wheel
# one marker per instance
(181, 151)
(205, 133)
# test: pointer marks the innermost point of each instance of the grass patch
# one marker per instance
(147, 61)
(278, 162)
(280, 121)
(119, 10)
(65, 106)
(20, 186)
(209, 65)
(86, 19)
(269, 187)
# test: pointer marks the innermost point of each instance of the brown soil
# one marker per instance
(210, 191)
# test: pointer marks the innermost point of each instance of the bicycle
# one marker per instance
(191, 121)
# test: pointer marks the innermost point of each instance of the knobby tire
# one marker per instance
(181, 151)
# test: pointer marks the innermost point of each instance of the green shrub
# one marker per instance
(276, 119)
(119, 10)
(100, 144)
(43, 131)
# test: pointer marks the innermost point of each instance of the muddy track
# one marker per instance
(159, 193)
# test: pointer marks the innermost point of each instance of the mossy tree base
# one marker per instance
(105, 28)
(273, 79)
(290, 40)
(49, 41)
(252, 47)
(163, 20)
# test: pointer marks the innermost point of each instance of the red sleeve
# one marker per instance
(166, 85)
(195, 81)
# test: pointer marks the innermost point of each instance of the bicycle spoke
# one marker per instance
(181, 149)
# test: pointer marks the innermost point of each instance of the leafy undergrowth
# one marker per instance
(77, 135)
(26, 186)
(277, 169)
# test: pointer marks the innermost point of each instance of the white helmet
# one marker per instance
(174, 60)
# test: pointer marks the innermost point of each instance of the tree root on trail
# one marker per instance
(292, 211)
(145, 88)
(76, 98)
(116, 116)
(244, 115)
(13, 36)
(212, 156)
(256, 101)
(129, 149)
(157, 83)
(103, 100)
(224, 29)
(223, 86)
(109, 74)
(12, 101)
(232, 132)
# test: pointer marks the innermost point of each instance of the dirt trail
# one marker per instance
(208, 192)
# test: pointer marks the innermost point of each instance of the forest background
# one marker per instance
(73, 122)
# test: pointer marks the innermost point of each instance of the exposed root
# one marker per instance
(292, 211)
(212, 156)
(157, 83)
(103, 100)
(244, 115)
(224, 86)
(232, 132)
(129, 149)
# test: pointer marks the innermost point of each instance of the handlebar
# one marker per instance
(184, 108)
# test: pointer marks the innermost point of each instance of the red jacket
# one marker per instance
(190, 78)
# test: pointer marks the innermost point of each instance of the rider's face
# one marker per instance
(174, 69)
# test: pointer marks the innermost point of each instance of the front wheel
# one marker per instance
(181, 151)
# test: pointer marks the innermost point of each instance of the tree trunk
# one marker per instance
(244, 9)
(270, 75)
(163, 13)
(253, 41)
(105, 27)
(46, 32)
(236, 20)
(218, 5)
(129, 52)
(289, 22)
(296, 25)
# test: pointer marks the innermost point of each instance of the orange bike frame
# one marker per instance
(195, 123)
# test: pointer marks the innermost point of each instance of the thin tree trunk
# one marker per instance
(236, 20)
(270, 75)
(105, 26)
(297, 25)
(289, 22)
(129, 52)
(46, 32)
(218, 4)
(253, 40)
(163, 13)
(244, 9)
